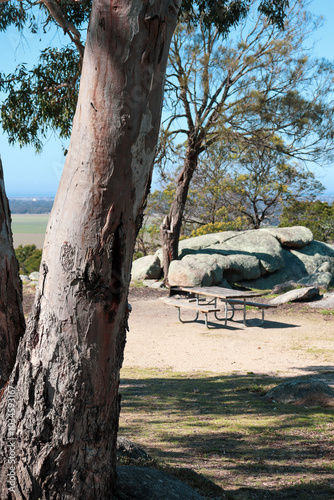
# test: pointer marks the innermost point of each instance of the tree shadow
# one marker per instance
(237, 324)
(225, 424)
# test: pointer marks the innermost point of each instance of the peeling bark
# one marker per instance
(12, 324)
(66, 374)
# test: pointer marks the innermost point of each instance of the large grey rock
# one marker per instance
(317, 279)
(292, 237)
(144, 483)
(298, 295)
(239, 266)
(324, 268)
(34, 276)
(127, 450)
(292, 270)
(261, 245)
(251, 258)
(206, 269)
(326, 302)
(147, 267)
(315, 255)
(195, 270)
(284, 287)
(24, 278)
(309, 392)
(193, 245)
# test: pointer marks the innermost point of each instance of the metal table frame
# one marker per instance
(223, 294)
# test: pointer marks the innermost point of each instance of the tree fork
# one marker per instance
(66, 374)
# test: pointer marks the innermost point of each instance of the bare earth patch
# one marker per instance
(294, 340)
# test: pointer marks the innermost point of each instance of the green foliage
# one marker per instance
(29, 258)
(225, 224)
(42, 98)
(237, 190)
(30, 206)
(33, 16)
(224, 14)
(261, 181)
(159, 201)
(11, 15)
(316, 215)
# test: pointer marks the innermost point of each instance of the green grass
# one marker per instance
(220, 426)
(29, 223)
(327, 312)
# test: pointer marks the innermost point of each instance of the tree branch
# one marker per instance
(64, 23)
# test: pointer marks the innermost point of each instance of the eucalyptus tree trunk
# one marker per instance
(12, 324)
(171, 227)
(66, 377)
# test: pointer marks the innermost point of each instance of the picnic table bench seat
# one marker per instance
(191, 304)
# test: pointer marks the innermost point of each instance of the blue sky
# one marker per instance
(31, 174)
(27, 173)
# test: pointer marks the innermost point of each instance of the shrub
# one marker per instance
(29, 258)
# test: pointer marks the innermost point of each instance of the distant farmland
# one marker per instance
(29, 229)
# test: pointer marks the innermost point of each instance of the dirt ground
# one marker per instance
(294, 340)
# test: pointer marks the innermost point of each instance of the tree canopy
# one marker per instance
(43, 98)
(258, 90)
(261, 181)
(237, 191)
(318, 216)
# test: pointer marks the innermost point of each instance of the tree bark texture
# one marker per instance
(171, 226)
(66, 375)
(12, 324)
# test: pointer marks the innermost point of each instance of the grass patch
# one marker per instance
(29, 223)
(221, 427)
(327, 312)
(137, 284)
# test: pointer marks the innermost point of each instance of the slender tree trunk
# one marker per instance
(256, 218)
(12, 324)
(171, 226)
(65, 380)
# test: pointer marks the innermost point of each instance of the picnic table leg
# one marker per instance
(187, 321)
(244, 312)
(225, 312)
(225, 317)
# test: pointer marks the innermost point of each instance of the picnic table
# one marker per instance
(205, 300)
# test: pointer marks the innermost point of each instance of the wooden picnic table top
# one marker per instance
(219, 292)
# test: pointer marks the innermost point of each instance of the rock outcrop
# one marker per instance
(302, 392)
(258, 259)
(139, 483)
(129, 451)
(146, 268)
(292, 237)
(297, 295)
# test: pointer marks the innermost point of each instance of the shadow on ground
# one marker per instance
(223, 427)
